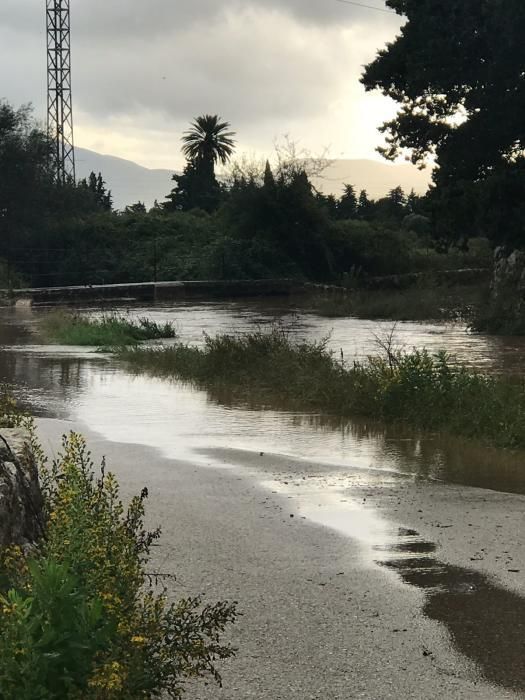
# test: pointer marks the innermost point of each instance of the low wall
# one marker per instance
(150, 291)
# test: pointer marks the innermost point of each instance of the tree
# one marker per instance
(205, 144)
(195, 188)
(280, 225)
(137, 208)
(25, 175)
(364, 205)
(96, 186)
(413, 202)
(460, 87)
(348, 204)
(208, 142)
(269, 179)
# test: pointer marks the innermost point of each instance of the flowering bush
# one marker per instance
(79, 617)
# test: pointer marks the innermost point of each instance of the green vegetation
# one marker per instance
(205, 144)
(437, 303)
(79, 615)
(460, 93)
(260, 221)
(499, 318)
(430, 392)
(109, 330)
(460, 100)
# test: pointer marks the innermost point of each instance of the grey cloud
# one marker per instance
(156, 17)
(257, 62)
(237, 70)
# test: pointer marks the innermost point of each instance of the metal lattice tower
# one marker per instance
(59, 97)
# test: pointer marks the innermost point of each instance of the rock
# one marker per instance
(21, 516)
(508, 283)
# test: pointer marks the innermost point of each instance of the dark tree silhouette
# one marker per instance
(364, 205)
(460, 87)
(208, 142)
(205, 144)
(348, 204)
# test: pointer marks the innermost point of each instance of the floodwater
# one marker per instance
(190, 424)
(181, 420)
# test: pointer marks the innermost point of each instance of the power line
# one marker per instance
(368, 7)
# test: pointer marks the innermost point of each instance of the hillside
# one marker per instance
(128, 181)
(375, 177)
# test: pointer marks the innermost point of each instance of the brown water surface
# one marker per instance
(82, 385)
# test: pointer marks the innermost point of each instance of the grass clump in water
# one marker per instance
(427, 391)
(414, 304)
(109, 330)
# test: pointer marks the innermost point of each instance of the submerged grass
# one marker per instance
(427, 391)
(109, 330)
(439, 303)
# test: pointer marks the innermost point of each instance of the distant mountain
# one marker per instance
(130, 182)
(375, 177)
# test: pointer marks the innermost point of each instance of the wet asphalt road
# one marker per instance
(326, 616)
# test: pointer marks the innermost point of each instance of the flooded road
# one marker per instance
(413, 503)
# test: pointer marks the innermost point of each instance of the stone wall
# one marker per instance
(20, 494)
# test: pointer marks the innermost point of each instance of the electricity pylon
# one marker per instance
(59, 97)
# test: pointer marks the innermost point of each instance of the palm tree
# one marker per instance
(208, 142)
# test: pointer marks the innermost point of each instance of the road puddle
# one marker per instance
(486, 622)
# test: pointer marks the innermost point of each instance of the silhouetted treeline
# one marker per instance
(257, 224)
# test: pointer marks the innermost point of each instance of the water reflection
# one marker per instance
(182, 420)
(356, 337)
(486, 622)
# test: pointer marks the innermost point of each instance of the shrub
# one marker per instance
(81, 618)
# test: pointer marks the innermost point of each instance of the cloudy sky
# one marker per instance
(142, 69)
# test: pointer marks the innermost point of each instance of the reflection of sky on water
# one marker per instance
(182, 421)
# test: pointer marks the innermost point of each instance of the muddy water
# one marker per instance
(85, 386)
(189, 424)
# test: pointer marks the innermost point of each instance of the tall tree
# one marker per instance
(364, 205)
(25, 176)
(269, 179)
(208, 142)
(205, 144)
(413, 202)
(348, 204)
(456, 69)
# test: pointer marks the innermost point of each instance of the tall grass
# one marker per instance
(439, 303)
(109, 330)
(418, 388)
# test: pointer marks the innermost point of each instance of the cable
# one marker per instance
(368, 7)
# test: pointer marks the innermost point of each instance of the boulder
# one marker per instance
(509, 275)
(21, 503)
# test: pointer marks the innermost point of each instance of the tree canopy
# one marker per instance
(457, 70)
(25, 177)
(208, 141)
